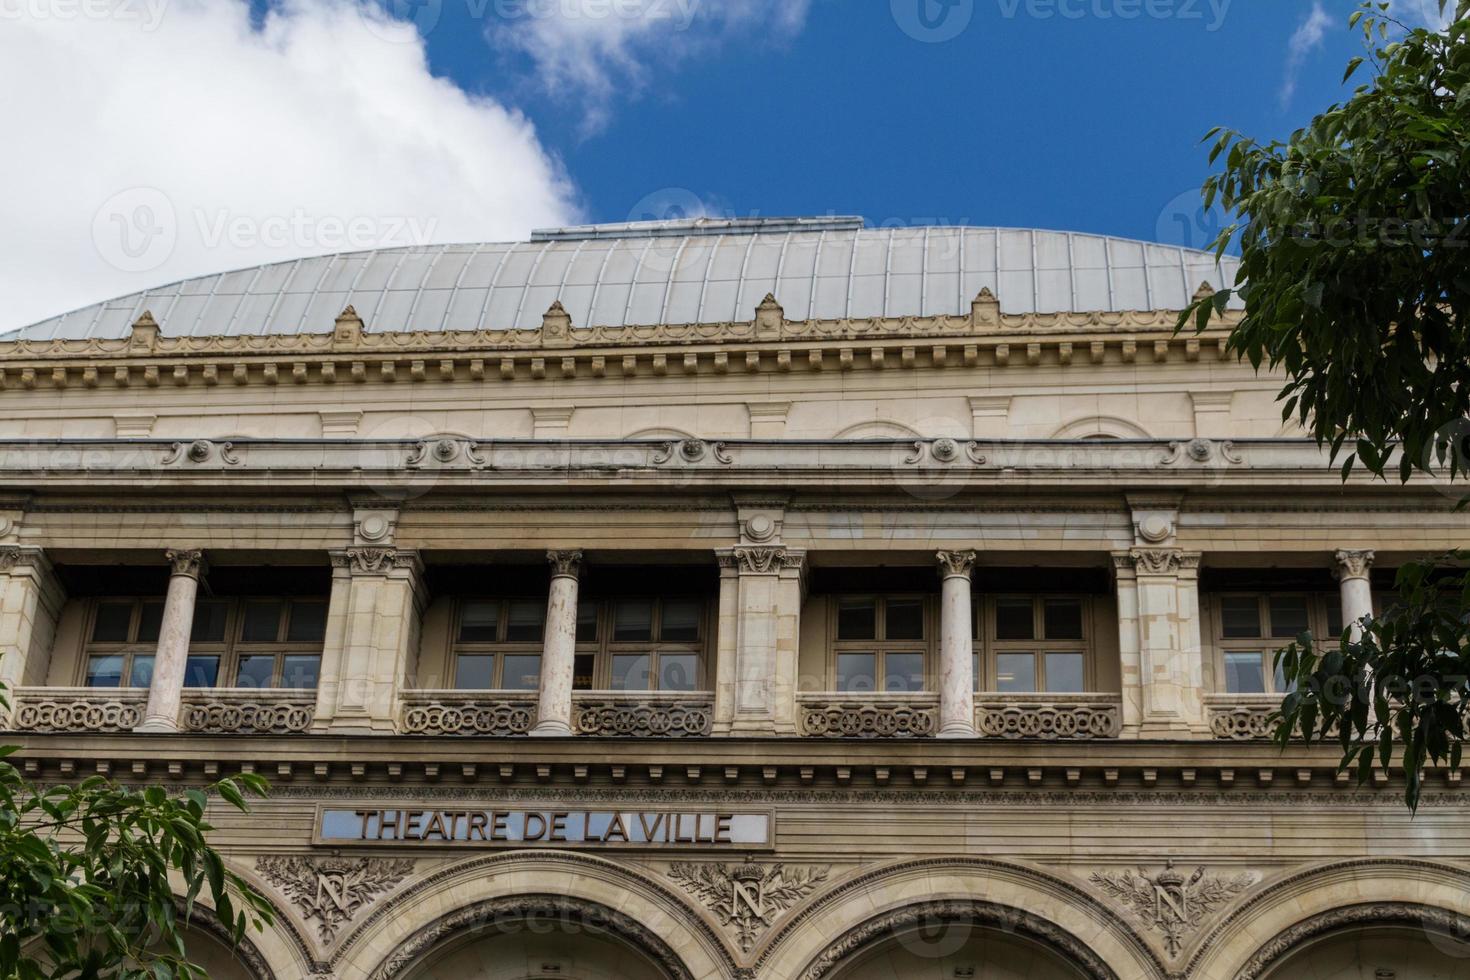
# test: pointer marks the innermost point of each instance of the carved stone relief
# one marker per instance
(332, 891)
(747, 898)
(1170, 902)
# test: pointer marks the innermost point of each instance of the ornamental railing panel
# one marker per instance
(1048, 716)
(467, 713)
(76, 709)
(1241, 717)
(248, 711)
(643, 715)
(839, 715)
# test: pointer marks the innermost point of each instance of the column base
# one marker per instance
(958, 731)
(157, 726)
(551, 729)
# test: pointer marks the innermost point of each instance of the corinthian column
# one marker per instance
(956, 646)
(1353, 568)
(166, 691)
(559, 647)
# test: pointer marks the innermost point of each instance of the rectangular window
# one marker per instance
(626, 644)
(249, 643)
(1031, 644)
(881, 644)
(1251, 627)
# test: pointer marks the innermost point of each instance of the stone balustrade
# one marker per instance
(837, 715)
(467, 713)
(643, 714)
(1241, 717)
(248, 712)
(1049, 716)
(76, 709)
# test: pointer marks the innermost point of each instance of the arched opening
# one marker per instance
(946, 951)
(221, 961)
(1390, 952)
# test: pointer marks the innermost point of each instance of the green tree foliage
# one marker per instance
(85, 889)
(1354, 237)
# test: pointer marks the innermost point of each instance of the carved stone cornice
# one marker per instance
(188, 562)
(565, 564)
(1163, 561)
(956, 564)
(1353, 564)
(375, 561)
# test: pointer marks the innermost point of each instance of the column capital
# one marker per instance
(188, 562)
(375, 561)
(760, 560)
(21, 556)
(956, 564)
(565, 564)
(1163, 561)
(1353, 564)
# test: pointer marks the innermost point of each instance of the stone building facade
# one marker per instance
(718, 600)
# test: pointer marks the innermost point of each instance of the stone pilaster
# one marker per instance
(559, 649)
(1354, 570)
(372, 638)
(956, 646)
(1159, 642)
(166, 691)
(30, 605)
(760, 617)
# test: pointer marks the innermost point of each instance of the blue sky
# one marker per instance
(163, 139)
(1091, 124)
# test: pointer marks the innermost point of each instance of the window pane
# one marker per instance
(256, 671)
(583, 666)
(299, 671)
(1063, 619)
(308, 623)
(678, 671)
(1013, 619)
(150, 619)
(1288, 615)
(630, 672)
(1244, 674)
(141, 674)
(857, 619)
(855, 672)
(587, 623)
(1280, 677)
(905, 619)
(903, 672)
(1240, 615)
(1334, 618)
(1015, 673)
(975, 669)
(479, 622)
(525, 622)
(680, 622)
(113, 620)
(201, 672)
(105, 671)
(1064, 673)
(521, 672)
(633, 621)
(473, 673)
(262, 622)
(209, 622)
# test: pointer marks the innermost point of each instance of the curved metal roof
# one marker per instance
(670, 272)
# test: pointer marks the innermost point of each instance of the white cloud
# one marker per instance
(1306, 39)
(151, 140)
(594, 51)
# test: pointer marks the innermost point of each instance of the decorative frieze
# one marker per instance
(748, 898)
(76, 710)
(1171, 902)
(1241, 718)
(643, 717)
(1163, 561)
(1022, 717)
(455, 713)
(1203, 452)
(332, 891)
(374, 561)
(255, 713)
(885, 717)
